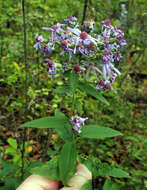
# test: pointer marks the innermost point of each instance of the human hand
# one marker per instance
(36, 182)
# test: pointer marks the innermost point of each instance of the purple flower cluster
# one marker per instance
(112, 39)
(70, 40)
(78, 122)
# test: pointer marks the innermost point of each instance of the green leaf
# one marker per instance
(107, 185)
(67, 161)
(104, 169)
(117, 172)
(93, 131)
(48, 170)
(45, 122)
(11, 183)
(12, 142)
(7, 168)
(60, 122)
(65, 130)
(74, 79)
(63, 89)
(87, 186)
(92, 91)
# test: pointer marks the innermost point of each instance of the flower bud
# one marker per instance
(83, 35)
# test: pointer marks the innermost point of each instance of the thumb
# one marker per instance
(80, 178)
(36, 182)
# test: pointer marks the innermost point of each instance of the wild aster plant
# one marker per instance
(101, 50)
(84, 52)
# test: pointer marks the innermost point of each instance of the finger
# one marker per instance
(82, 170)
(79, 179)
(36, 182)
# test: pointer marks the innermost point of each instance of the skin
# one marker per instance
(36, 182)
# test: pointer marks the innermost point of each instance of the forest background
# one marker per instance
(127, 111)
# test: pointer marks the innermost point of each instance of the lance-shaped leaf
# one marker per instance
(86, 87)
(117, 172)
(93, 131)
(59, 122)
(45, 122)
(67, 162)
(64, 131)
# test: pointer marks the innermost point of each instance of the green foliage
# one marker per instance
(73, 81)
(65, 129)
(69, 156)
(7, 169)
(104, 169)
(59, 122)
(91, 91)
(117, 172)
(109, 186)
(14, 151)
(93, 131)
(45, 122)
(48, 170)
(11, 184)
(62, 89)
(87, 186)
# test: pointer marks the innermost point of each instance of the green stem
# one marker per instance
(26, 87)
(73, 103)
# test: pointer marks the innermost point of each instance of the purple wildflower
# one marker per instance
(106, 85)
(56, 31)
(39, 40)
(84, 43)
(78, 122)
(91, 66)
(107, 70)
(70, 20)
(46, 49)
(77, 69)
(107, 56)
(51, 67)
(66, 49)
(117, 56)
(112, 77)
(107, 24)
(106, 35)
(118, 33)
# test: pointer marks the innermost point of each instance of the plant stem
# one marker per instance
(73, 103)
(26, 88)
(84, 11)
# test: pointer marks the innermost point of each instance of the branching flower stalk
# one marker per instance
(84, 53)
(97, 52)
